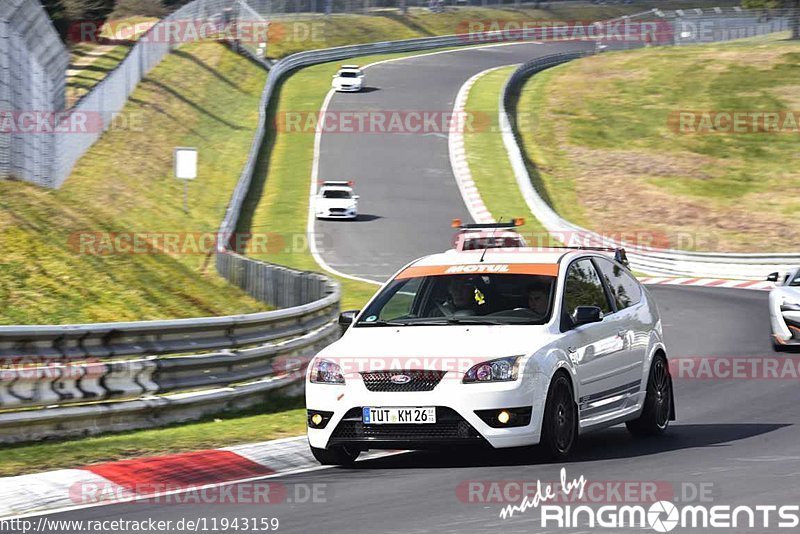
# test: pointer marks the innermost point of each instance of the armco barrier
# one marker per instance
(664, 262)
(88, 366)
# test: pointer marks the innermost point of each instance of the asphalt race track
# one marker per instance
(737, 437)
(408, 193)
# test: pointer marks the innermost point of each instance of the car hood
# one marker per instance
(347, 81)
(433, 347)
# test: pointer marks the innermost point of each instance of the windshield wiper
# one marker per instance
(475, 320)
(381, 323)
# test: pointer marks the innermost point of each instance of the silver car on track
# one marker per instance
(784, 309)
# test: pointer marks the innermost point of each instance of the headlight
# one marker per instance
(500, 370)
(326, 372)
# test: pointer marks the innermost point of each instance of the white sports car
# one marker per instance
(349, 79)
(336, 200)
(784, 309)
(505, 348)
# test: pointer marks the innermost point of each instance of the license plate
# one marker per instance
(399, 416)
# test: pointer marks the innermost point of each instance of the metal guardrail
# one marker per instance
(648, 260)
(51, 367)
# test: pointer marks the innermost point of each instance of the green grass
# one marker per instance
(488, 159)
(302, 33)
(91, 62)
(203, 95)
(602, 137)
(278, 418)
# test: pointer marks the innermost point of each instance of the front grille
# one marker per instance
(337, 210)
(422, 380)
(449, 426)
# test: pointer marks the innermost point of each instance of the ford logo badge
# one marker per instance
(400, 379)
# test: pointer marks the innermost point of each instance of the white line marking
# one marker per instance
(458, 156)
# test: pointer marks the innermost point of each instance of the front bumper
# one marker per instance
(456, 420)
(328, 214)
(348, 88)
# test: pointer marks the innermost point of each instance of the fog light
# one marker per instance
(318, 419)
(506, 417)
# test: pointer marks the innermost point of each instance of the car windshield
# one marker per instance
(503, 299)
(348, 74)
(334, 193)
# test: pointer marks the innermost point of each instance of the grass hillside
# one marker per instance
(604, 135)
(204, 96)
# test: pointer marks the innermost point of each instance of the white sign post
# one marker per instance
(185, 169)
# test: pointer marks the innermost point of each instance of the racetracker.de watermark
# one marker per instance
(619, 31)
(26, 122)
(384, 122)
(595, 491)
(633, 240)
(192, 243)
(710, 122)
(766, 367)
(245, 493)
(181, 31)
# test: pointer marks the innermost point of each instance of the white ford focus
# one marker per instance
(349, 79)
(500, 347)
(336, 200)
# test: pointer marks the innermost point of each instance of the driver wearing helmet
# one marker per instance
(462, 297)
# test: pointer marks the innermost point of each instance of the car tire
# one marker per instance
(560, 422)
(777, 347)
(335, 455)
(657, 410)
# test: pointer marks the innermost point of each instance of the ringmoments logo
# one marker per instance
(660, 516)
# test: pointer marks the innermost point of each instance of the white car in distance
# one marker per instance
(336, 200)
(349, 79)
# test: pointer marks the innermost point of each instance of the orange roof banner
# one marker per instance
(542, 269)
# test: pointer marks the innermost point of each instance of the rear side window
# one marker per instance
(584, 288)
(624, 288)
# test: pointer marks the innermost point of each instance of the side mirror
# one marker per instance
(586, 314)
(356, 197)
(334, 76)
(346, 318)
(773, 277)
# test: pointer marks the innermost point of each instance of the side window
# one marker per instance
(401, 303)
(583, 288)
(624, 288)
